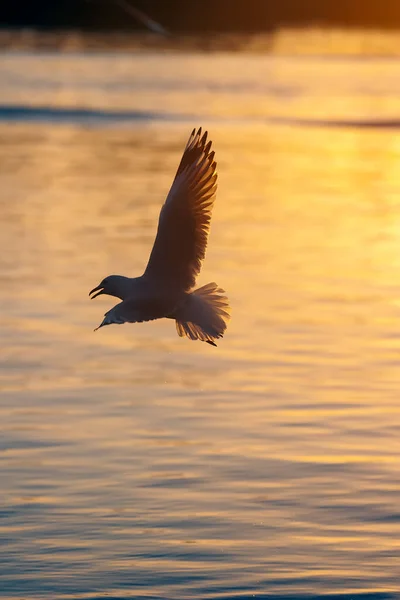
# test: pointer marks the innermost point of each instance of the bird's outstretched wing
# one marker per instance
(184, 223)
(134, 310)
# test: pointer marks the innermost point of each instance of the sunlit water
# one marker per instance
(135, 464)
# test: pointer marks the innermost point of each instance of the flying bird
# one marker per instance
(165, 290)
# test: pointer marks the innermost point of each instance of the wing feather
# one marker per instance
(138, 310)
(184, 222)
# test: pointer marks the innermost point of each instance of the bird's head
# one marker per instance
(113, 285)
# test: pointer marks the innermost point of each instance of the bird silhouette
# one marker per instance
(165, 290)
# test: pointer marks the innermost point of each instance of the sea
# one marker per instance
(138, 465)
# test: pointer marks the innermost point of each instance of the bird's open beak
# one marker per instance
(99, 289)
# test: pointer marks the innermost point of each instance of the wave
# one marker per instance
(15, 112)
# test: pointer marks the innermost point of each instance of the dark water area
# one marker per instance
(45, 114)
(73, 115)
(135, 464)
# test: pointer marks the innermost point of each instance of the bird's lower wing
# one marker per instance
(185, 218)
(133, 310)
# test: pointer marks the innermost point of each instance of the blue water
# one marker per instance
(135, 464)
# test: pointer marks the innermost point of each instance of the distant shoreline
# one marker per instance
(303, 42)
(79, 40)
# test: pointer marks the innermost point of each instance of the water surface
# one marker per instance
(135, 464)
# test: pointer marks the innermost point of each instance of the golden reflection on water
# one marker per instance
(144, 454)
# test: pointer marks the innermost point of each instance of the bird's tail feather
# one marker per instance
(204, 315)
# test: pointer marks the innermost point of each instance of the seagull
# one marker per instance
(165, 290)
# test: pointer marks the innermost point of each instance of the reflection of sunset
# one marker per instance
(129, 452)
